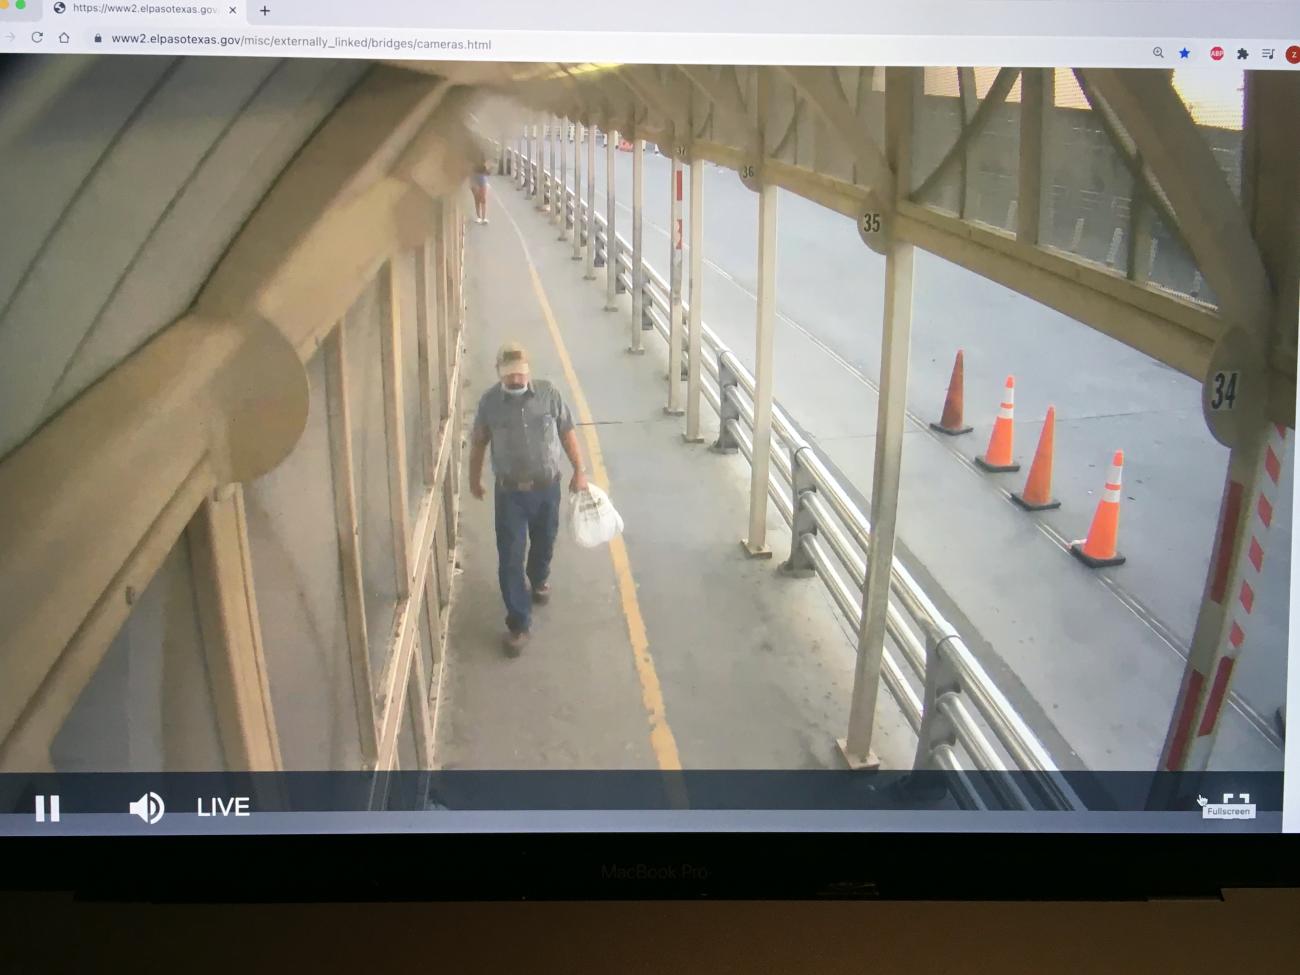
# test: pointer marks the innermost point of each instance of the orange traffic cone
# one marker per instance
(1098, 549)
(1037, 495)
(997, 459)
(951, 422)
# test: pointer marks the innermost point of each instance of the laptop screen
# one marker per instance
(479, 418)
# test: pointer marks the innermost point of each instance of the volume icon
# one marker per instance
(148, 807)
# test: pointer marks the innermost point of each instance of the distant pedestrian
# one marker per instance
(528, 425)
(478, 185)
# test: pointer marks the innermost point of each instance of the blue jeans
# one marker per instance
(527, 521)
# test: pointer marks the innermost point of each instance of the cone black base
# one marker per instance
(950, 431)
(997, 468)
(1034, 505)
(1076, 549)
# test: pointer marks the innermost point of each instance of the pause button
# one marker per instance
(47, 806)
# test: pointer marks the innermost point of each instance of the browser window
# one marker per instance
(479, 418)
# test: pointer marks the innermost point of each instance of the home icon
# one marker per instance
(64, 38)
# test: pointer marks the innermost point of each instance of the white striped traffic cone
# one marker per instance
(1098, 550)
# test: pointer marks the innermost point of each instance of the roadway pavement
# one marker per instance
(1101, 653)
(744, 668)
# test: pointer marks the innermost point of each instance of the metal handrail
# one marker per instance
(840, 548)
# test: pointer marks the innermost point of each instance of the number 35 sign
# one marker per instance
(873, 228)
(1233, 394)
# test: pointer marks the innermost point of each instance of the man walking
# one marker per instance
(527, 424)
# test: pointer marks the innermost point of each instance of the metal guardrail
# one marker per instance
(961, 719)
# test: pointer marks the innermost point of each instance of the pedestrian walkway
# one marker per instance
(670, 648)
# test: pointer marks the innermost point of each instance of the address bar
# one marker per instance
(159, 36)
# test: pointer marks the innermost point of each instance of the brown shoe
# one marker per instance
(515, 643)
(542, 593)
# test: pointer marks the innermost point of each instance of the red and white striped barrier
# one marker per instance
(1190, 747)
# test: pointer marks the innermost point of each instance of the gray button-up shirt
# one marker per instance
(524, 430)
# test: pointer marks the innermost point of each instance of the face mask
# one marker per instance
(514, 392)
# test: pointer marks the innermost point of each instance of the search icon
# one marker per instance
(1158, 51)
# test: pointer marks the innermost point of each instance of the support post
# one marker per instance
(611, 235)
(558, 175)
(1271, 149)
(460, 268)
(543, 170)
(395, 420)
(562, 193)
(522, 164)
(902, 86)
(345, 516)
(1236, 563)
(590, 225)
(635, 346)
(674, 407)
(553, 146)
(765, 330)
(543, 174)
(578, 234)
(1035, 102)
(452, 321)
(969, 103)
(856, 747)
(429, 364)
(439, 381)
(529, 141)
(695, 332)
(546, 166)
(441, 311)
(534, 154)
(235, 670)
(1141, 243)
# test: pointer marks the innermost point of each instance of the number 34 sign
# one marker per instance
(1223, 389)
(1233, 394)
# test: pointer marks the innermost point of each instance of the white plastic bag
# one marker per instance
(592, 518)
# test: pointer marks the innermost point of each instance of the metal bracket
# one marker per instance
(799, 565)
(936, 728)
(727, 409)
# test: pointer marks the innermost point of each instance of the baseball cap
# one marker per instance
(511, 357)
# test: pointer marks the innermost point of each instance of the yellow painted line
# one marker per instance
(661, 735)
